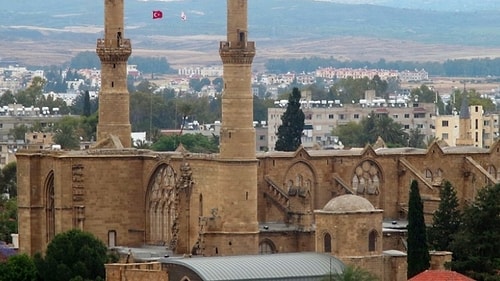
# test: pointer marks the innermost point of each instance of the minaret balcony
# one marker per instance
(113, 49)
(247, 45)
(237, 52)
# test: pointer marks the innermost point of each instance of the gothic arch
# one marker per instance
(492, 170)
(327, 242)
(367, 178)
(266, 246)
(161, 202)
(50, 211)
(428, 174)
(300, 178)
(305, 163)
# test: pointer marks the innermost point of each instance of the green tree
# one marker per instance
(389, 130)
(88, 127)
(351, 273)
(18, 268)
(7, 98)
(416, 138)
(19, 132)
(66, 135)
(446, 219)
(380, 86)
(350, 134)
(292, 124)
(33, 94)
(476, 246)
(8, 179)
(369, 129)
(418, 258)
(196, 143)
(8, 218)
(86, 104)
(73, 254)
(82, 104)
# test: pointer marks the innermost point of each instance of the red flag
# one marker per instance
(157, 15)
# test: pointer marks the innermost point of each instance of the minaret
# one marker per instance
(237, 177)
(114, 52)
(237, 132)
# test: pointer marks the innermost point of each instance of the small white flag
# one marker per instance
(183, 16)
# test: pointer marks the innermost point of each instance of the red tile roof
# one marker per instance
(440, 275)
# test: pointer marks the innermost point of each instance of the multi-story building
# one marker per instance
(483, 130)
(321, 117)
(15, 115)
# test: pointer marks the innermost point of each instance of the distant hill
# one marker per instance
(270, 21)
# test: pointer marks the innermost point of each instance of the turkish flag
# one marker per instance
(157, 15)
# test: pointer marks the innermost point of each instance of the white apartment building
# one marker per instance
(202, 71)
(321, 117)
(384, 74)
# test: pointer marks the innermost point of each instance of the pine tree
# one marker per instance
(476, 246)
(418, 253)
(446, 219)
(292, 124)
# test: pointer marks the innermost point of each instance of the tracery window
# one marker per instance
(366, 179)
(162, 207)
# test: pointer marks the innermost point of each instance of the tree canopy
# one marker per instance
(196, 143)
(476, 246)
(446, 219)
(73, 254)
(8, 179)
(369, 129)
(8, 218)
(18, 268)
(292, 124)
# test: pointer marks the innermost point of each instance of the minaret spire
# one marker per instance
(114, 51)
(234, 197)
(237, 132)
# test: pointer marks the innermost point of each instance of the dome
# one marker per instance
(348, 203)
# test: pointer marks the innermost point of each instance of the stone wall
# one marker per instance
(136, 272)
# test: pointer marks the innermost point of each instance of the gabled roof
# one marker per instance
(286, 266)
(440, 275)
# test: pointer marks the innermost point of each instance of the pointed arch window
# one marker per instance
(372, 241)
(428, 174)
(267, 247)
(327, 243)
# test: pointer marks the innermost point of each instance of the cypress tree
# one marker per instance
(86, 104)
(418, 253)
(292, 124)
(446, 219)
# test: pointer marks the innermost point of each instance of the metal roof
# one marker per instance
(289, 266)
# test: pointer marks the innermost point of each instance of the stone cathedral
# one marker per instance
(238, 201)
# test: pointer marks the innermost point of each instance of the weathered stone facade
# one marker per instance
(132, 197)
(236, 202)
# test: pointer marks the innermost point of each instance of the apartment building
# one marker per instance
(483, 129)
(321, 117)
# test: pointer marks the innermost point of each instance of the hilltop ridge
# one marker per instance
(280, 28)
